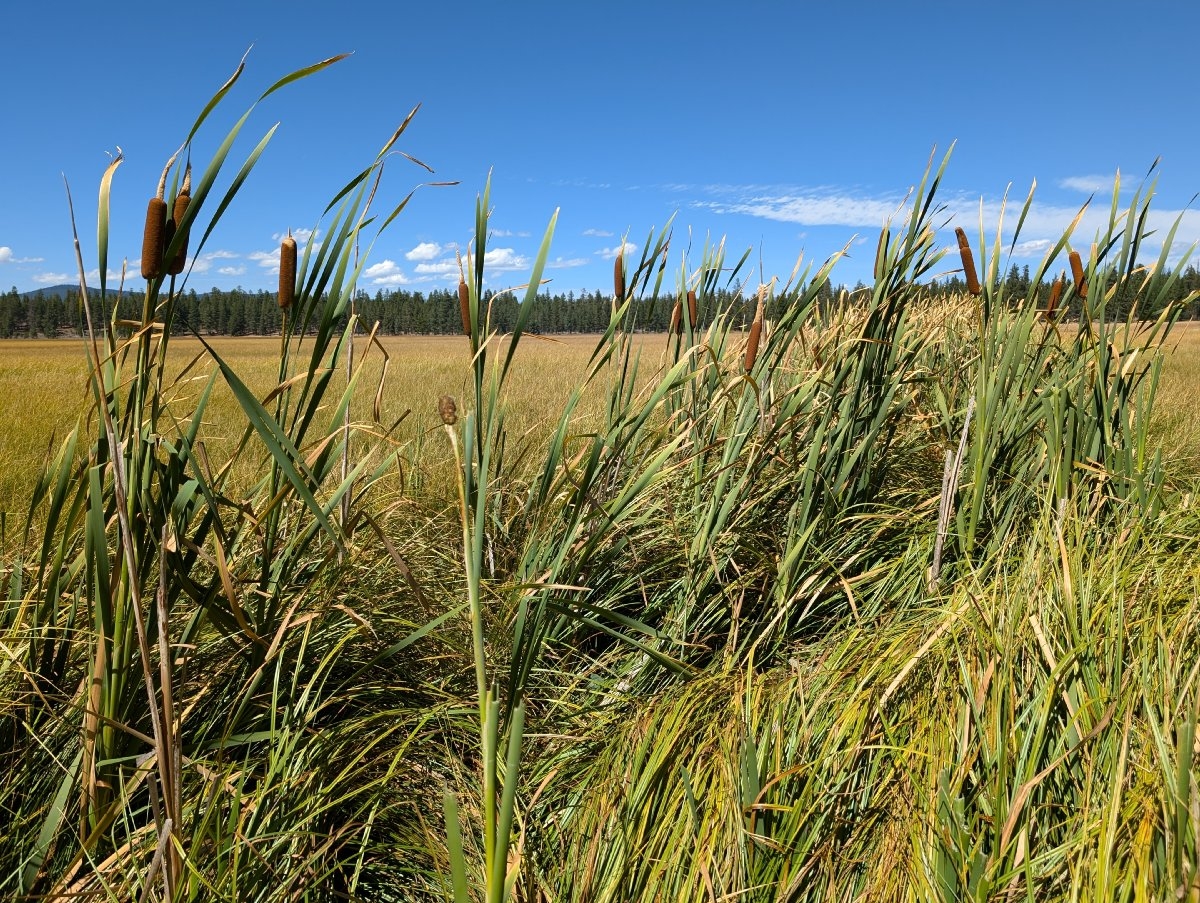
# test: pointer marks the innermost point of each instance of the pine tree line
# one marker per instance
(240, 312)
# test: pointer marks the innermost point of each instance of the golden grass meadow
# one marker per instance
(875, 596)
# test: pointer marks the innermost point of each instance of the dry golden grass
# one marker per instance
(43, 391)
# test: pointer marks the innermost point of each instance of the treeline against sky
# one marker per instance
(242, 312)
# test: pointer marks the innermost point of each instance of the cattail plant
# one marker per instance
(175, 267)
(447, 410)
(287, 272)
(619, 276)
(1081, 288)
(693, 309)
(677, 318)
(968, 263)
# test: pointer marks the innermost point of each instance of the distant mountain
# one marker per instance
(67, 290)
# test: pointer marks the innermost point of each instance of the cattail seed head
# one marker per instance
(619, 276)
(152, 238)
(175, 267)
(447, 410)
(693, 309)
(1055, 294)
(968, 262)
(287, 272)
(464, 306)
(1081, 288)
(755, 335)
(677, 318)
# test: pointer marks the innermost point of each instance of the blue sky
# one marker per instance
(788, 128)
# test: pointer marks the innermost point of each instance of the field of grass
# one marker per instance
(890, 598)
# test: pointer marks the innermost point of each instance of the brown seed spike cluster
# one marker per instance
(447, 410)
(968, 262)
(619, 276)
(755, 335)
(693, 309)
(153, 237)
(1055, 295)
(175, 267)
(677, 318)
(464, 306)
(1081, 288)
(287, 273)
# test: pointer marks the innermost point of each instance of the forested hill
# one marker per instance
(56, 311)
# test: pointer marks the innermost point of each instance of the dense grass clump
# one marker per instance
(889, 597)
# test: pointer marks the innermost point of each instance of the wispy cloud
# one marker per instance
(441, 268)
(597, 233)
(1043, 226)
(1087, 184)
(508, 233)
(610, 253)
(6, 256)
(53, 278)
(563, 263)
(231, 271)
(221, 255)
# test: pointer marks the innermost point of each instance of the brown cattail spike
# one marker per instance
(755, 335)
(287, 273)
(175, 267)
(464, 305)
(1081, 288)
(677, 318)
(619, 276)
(152, 238)
(1055, 294)
(968, 263)
(693, 309)
(447, 410)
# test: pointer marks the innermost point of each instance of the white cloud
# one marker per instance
(53, 278)
(231, 271)
(222, 255)
(6, 256)
(562, 263)
(1088, 184)
(301, 235)
(426, 250)
(597, 233)
(440, 268)
(386, 272)
(503, 259)
(268, 260)
(610, 253)
(507, 233)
